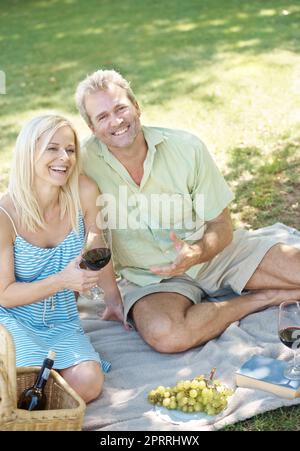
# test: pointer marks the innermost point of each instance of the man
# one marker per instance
(167, 270)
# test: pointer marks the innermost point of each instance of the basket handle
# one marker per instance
(7, 402)
(8, 363)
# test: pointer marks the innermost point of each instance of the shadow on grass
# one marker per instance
(266, 185)
(48, 46)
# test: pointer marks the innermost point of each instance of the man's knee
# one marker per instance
(165, 336)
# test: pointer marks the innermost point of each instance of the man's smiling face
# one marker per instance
(115, 120)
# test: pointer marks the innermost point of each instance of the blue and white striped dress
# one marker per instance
(51, 323)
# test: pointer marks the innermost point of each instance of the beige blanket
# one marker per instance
(136, 368)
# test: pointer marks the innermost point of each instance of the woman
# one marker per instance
(43, 217)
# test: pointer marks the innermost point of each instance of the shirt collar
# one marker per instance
(152, 136)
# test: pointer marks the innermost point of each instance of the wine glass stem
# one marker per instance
(294, 355)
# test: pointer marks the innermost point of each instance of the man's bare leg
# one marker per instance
(170, 323)
(280, 268)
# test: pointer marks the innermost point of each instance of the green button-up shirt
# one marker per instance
(181, 188)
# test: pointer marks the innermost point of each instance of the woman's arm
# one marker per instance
(13, 294)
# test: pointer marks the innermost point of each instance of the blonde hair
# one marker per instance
(100, 81)
(21, 182)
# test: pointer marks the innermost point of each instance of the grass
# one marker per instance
(282, 419)
(227, 70)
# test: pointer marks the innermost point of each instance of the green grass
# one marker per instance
(282, 419)
(227, 70)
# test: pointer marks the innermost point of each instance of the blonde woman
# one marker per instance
(43, 217)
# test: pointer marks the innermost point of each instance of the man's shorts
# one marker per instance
(227, 272)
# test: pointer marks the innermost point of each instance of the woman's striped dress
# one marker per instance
(52, 323)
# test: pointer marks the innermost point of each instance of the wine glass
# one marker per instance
(289, 333)
(168, 246)
(95, 254)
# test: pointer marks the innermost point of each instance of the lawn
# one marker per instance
(228, 71)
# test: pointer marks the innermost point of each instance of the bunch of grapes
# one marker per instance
(202, 394)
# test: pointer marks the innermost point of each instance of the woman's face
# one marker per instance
(56, 163)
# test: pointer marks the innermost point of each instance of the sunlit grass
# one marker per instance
(227, 71)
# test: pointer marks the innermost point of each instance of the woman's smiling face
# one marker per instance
(56, 160)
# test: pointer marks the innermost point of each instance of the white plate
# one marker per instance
(177, 416)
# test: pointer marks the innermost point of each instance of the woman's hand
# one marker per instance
(72, 277)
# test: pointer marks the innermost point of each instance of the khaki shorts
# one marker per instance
(228, 272)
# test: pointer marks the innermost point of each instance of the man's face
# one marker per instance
(115, 120)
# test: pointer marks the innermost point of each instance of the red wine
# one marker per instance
(34, 398)
(95, 259)
(290, 337)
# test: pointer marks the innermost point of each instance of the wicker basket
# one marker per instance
(64, 409)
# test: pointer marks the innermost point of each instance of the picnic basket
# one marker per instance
(64, 409)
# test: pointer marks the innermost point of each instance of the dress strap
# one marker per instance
(11, 220)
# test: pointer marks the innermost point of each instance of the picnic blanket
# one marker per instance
(136, 368)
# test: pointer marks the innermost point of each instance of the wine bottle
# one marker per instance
(34, 398)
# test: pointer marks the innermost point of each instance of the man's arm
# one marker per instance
(89, 193)
(217, 236)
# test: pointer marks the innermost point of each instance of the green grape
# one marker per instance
(201, 385)
(180, 386)
(179, 403)
(160, 389)
(228, 392)
(201, 394)
(204, 400)
(216, 404)
(184, 400)
(205, 392)
(179, 395)
(193, 393)
(198, 407)
(186, 385)
(200, 378)
(166, 402)
(195, 384)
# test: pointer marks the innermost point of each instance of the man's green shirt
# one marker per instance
(181, 189)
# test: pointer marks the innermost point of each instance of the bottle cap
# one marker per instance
(51, 355)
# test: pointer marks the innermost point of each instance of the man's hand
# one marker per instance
(187, 256)
(115, 312)
(217, 236)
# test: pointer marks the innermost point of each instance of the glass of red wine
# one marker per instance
(95, 254)
(289, 334)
